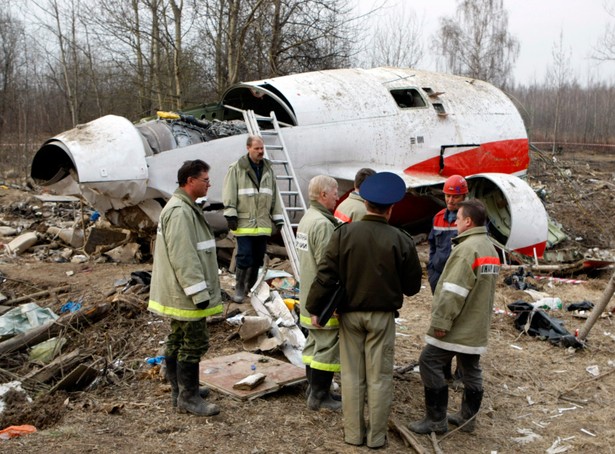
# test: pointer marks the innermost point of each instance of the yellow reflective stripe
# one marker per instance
(253, 231)
(326, 366)
(307, 322)
(183, 314)
(307, 359)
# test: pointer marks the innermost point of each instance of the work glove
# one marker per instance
(278, 227)
(232, 222)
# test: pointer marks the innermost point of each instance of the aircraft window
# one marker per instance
(439, 108)
(407, 98)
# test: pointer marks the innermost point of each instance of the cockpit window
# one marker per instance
(407, 98)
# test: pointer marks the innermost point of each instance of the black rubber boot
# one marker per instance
(251, 276)
(320, 397)
(240, 284)
(470, 405)
(436, 402)
(189, 400)
(308, 375)
(171, 376)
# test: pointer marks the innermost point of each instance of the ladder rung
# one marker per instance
(268, 132)
(294, 208)
(274, 147)
(278, 161)
(289, 193)
(284, 177)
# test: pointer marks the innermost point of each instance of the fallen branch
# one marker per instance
(584, 382)
(434, 442)
(407, 436)
(50, 291)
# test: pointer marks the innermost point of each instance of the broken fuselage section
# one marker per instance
(424, 126)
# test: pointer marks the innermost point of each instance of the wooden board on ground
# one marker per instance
(223, 372)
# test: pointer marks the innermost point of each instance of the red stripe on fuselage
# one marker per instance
(505, 156)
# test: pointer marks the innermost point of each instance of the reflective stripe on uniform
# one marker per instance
(307, 322)
(202, 245)
(454, 288)
(277, 217)
(326, 366)
(247, 191)
(183, 314)
(253, 231)
(196, 288)
(266, 191)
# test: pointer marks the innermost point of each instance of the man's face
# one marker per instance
(463, 222)
(256, 151)
(329, 198)
(452, 200)
(200, 184)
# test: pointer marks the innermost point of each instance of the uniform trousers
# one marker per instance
(432, 362)
(188, 341)
(367, 350)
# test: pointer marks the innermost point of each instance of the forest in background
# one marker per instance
(65, 62)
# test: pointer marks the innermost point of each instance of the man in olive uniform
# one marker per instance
(251, 207)
(353, 208)
(377, 264)
(185, 286)
(460, 321)
(321, 351)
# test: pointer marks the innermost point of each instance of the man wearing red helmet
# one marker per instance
(445, 228)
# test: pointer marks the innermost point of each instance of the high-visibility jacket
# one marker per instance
(351, 209)
(463, 302)
(255, 204)
(185, 271)
(313, 234)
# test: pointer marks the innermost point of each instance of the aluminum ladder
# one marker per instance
(290, 196)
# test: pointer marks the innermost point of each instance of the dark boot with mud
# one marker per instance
(171, 376)
(466, 416)
(251, 277)
(188, 400)
(240, 285)
(320, 395)
(436, 402)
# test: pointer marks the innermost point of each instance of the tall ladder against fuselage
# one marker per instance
(290, 196)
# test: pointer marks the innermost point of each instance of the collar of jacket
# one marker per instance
(322, 210)
(450, 216)
(482, 230)
(375, 218)
(244, 164)
(184, 197)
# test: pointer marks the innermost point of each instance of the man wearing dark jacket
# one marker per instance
(377, 264)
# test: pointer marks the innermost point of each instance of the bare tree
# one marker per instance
(397, 40)
(559, 78)
(476, 42)
(604, 50)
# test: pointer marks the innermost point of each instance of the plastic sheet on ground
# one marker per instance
(25, 317)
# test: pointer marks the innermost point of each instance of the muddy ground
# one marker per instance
(537, 395)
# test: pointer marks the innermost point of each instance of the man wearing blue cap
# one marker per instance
(377, 264)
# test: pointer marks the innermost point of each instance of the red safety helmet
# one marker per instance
(455, 185)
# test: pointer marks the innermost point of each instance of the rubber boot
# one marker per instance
(320, 396)
(251, 276)
(171, 376)
(436, 401)
(189, 400)
(240, 284)
(308, 375)
(470, 405)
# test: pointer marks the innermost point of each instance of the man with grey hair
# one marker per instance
(353, 208)
(321, 352)
(251, 207)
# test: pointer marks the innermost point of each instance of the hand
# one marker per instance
(278, 226)
(232, 222)
(315, 321)
(203, 304)
(439, 333)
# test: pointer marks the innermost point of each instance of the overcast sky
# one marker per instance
(536, 24)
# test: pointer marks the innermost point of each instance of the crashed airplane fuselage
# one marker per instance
(421, 125)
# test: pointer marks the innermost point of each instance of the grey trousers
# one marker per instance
(367, 350)
(433, 359)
